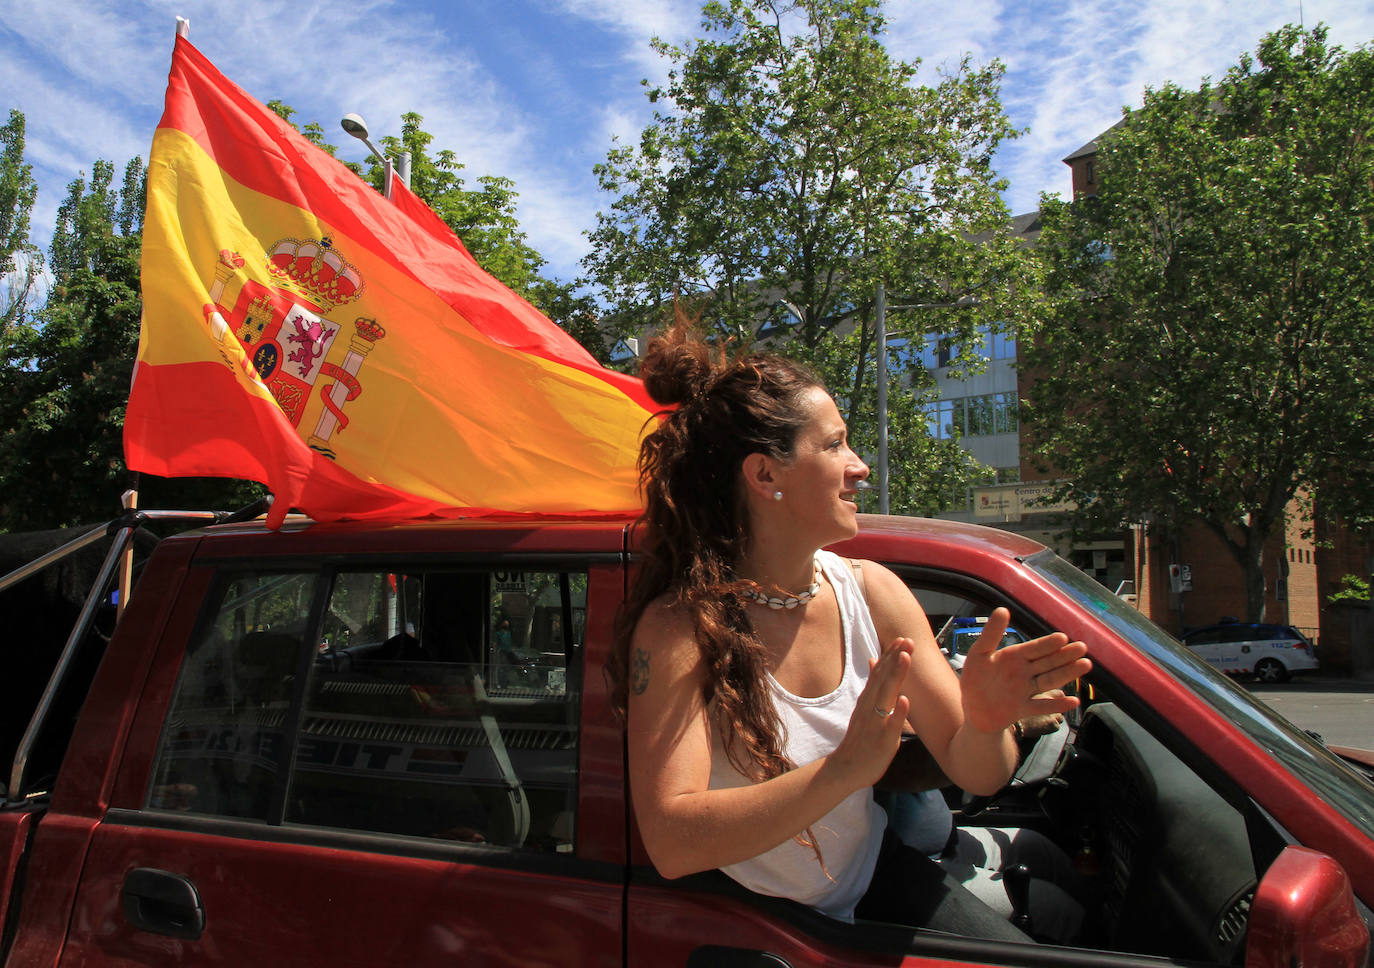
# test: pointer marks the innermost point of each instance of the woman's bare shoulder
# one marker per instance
(877, 578)
(665, 627)
(663, 647)
(890, 600)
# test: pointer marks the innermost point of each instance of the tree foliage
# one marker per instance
(66, 376)
(20, 261)
(790, 165)
(1206, 337)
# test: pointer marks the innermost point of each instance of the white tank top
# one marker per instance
(849, 835)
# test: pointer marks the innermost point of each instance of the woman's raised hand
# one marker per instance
(875, 726)
(1003, 685)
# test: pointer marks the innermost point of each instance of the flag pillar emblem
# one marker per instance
(345, 386)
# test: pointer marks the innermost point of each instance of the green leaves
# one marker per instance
(67, 367)
(19, 258)
(1219, 360)
(790, 166)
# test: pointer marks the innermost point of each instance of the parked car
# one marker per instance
(233, 793)
(1271, 653)
(959, 633)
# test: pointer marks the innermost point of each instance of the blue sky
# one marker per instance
(535, 89)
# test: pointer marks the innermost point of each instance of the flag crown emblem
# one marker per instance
(316, 271)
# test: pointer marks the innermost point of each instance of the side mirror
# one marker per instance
(1304, 914)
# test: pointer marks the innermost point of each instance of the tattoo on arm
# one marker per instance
(639, 672)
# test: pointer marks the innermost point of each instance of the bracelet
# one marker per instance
(1018, 731)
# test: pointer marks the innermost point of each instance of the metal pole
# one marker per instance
(126, 566)
(83, 622)
(38, 564)
(403, 168)
(880, 324)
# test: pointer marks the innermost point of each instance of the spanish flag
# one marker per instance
(345, 350)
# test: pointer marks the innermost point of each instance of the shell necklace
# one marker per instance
(759, 597)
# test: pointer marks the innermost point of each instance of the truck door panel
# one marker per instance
(366, 765)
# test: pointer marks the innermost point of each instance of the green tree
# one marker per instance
(1206, 337)
(790, 165)
(20, 260)
(65, 380)
(68, 373)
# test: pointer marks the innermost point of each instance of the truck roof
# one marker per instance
(535, 534)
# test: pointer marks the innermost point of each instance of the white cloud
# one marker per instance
(940, 35)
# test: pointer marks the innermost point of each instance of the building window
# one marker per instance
(944, 419)
(982, 415)
(1006, 413)
(1004, 346)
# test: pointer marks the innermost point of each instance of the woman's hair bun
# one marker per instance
(677, 365)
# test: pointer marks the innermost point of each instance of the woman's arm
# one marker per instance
(687, 827)
(965, 721)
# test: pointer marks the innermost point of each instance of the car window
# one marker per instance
(415, 701)
(225, 735)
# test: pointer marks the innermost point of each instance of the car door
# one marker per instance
(1174, 843)
(1207, 646)
(344, 769)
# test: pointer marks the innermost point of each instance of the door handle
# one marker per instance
(161, 902)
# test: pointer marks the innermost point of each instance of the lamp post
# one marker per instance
(357, 127)
(880, 308)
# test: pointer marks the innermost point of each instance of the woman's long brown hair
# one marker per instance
(695, 525)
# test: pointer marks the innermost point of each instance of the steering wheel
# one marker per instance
(1040, 756)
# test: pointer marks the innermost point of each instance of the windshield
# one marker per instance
(1303, 756)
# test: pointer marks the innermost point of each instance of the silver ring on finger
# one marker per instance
(882, 712)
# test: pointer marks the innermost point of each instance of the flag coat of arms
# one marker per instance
(344, 349)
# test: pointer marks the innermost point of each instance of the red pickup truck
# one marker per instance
(375, 744)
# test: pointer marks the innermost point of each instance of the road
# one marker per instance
(1341, 710)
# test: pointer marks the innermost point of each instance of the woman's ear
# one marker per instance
(757, 470)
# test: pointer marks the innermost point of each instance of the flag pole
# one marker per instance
(126, 563)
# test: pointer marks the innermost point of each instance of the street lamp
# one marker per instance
(881, 307)
(357, 127)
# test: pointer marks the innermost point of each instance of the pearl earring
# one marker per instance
(777, 495)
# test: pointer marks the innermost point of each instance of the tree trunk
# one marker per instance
(1254, 573)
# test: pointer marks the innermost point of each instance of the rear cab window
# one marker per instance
(420, 701)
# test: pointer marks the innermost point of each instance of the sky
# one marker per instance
(534, 90)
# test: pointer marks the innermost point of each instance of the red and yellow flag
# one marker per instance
(302, 331)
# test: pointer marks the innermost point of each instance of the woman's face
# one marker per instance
(820, 483)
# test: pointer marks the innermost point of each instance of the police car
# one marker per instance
(957, 636)
(1271, 653)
